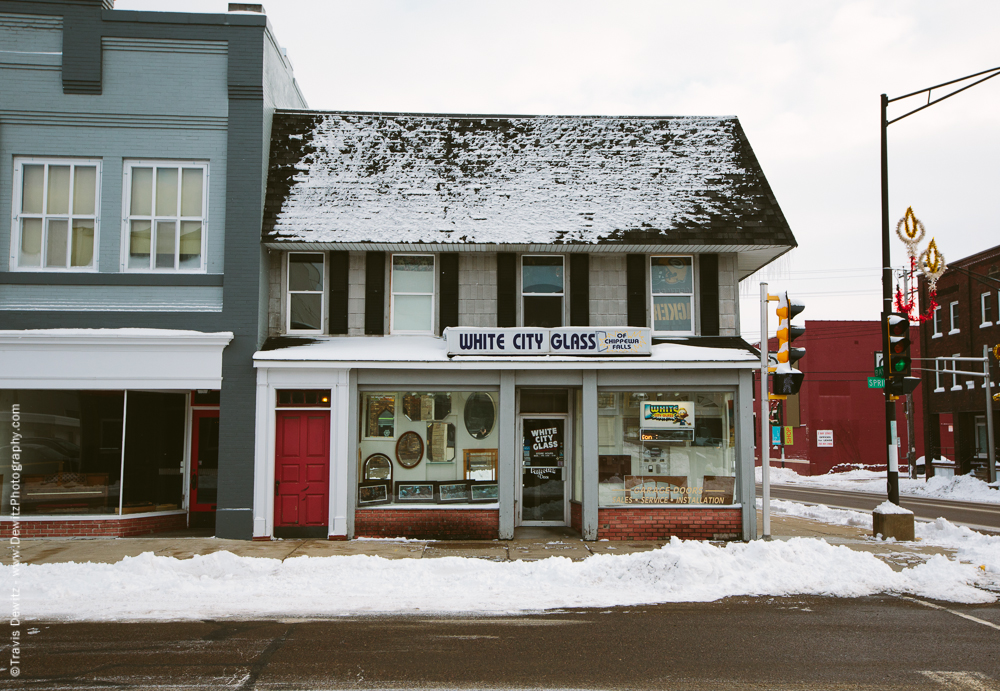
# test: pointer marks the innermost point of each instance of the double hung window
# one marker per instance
(937, 323)
(543, 287)
(953, 314)
(672, 283)
(56, 213)
(166, 207)
(412, 287)
(986, 309)
(305, 292)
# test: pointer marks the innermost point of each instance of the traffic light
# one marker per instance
(897, 360)
(787, 379)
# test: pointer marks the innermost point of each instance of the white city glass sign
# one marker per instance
(601, 341)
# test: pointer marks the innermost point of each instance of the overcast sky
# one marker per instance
(804, 78)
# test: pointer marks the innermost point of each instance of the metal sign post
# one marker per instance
(765, 418)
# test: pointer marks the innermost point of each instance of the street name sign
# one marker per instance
(876, 382)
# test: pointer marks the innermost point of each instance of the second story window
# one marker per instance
(305, 292)
(543, 288)
(937, 323)
(166, 208)
(412, 286)
(55, 213)
(953, 313)
(672, 283)
(986, 309)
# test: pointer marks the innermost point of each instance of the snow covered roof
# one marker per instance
(360, 178)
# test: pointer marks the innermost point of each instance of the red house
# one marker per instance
(836, 421)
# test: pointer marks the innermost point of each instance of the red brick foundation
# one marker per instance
(662, 524)
(428, 524)
(576, 516)
(123, 527)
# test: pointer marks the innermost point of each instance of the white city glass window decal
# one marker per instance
(305, 292)
(672, 283)
(56, 214)
(412, 286)
(165, 216)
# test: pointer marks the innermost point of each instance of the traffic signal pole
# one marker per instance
(892, 453)
(765, 419)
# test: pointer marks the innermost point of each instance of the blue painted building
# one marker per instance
(133, 286)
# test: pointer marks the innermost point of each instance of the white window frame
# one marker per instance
(16, 215)
(562, 295)
(127, 166)
(983, 299)
(432, 294)
(953, 318)
(289, 293)
(937, 322)
(937, 377)
(652, 295)
(955, 386)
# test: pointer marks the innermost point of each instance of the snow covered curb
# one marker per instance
(222, 585)
(958, 488)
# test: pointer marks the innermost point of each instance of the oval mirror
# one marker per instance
(480, 415)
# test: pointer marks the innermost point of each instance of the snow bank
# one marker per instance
(958, 488)
(221, 585)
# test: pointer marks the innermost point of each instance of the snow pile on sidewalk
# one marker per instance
(972, 547)
(224, 585)
(959, 488)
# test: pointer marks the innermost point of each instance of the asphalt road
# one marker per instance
(984, 516)
(742, 643)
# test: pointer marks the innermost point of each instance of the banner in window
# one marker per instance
(672, 313)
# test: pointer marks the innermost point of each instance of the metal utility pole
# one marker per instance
(892, 454)
(765, 419)
(911, 436)
(990, 439)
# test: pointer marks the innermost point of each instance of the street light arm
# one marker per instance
(991, 73)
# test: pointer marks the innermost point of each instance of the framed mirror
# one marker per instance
(440, 442)
(442, 406)
(409, 449)
(377, 467)
(480, 415)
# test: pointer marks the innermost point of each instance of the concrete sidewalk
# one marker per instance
(529, 544)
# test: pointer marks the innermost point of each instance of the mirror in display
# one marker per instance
(480, 415)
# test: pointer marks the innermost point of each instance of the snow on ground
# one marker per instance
(223, 585)
(982, 551)
(958, 488)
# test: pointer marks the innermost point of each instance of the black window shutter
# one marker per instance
(506, 289)
(448, 298)
(636, 289)
(338, 292)
(579, 289)
(708, 268)
(375, 293)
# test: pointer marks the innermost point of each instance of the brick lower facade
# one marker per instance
(661, 524)
(124, 527)
(432, 524)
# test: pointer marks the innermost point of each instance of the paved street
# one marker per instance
(966, 513)
(744, 643)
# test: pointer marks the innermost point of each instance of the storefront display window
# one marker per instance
(659, 447)
(68, 459)
(420, 447)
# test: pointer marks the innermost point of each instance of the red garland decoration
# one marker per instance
(908, 304)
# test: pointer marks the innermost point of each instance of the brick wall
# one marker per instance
(661, 524)
(434, 524)
(576, 516)
(125, 527)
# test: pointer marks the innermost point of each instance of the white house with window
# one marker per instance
(509, 321)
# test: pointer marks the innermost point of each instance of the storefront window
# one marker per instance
(660, 447)
(421, 447)
(61, 451)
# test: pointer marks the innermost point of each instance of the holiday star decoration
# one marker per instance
(910, 230)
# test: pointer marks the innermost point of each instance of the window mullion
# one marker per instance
(45, 220)
(69, 217)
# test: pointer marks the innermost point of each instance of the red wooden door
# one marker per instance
(302, 468)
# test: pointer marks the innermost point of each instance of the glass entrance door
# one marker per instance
(543, 471)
